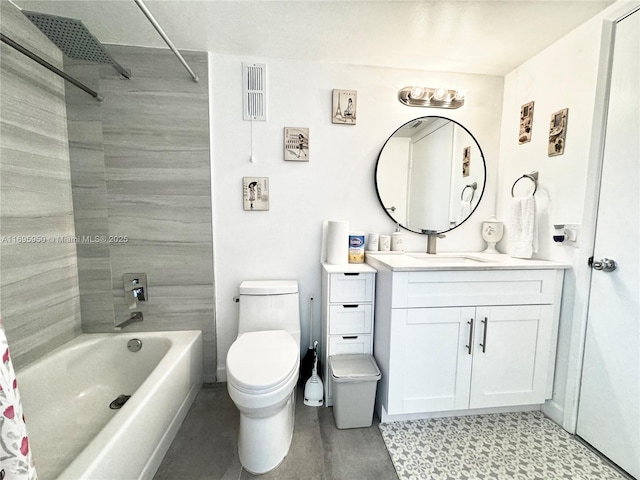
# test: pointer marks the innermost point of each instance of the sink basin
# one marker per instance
(449, 259)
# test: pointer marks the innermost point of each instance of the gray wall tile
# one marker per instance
(140, 169)
(39, 299)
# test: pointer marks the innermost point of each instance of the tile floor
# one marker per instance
(205, 447)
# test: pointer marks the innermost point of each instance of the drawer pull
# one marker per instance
(349, 306)
(349, 337)
(351, 274)
(484, 335)
(470, 323)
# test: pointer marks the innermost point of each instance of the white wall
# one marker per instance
(562, 76)
(337, 182)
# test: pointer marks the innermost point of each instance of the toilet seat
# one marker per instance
(262, 362)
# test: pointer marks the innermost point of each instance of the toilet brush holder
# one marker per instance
(313, 389)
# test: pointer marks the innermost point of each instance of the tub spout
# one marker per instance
(135, 317)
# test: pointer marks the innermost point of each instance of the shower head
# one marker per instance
(73, 38)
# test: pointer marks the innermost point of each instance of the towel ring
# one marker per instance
(473, 187)
(531, 176)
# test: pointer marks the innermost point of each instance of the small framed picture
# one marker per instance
(557, 132)
(466, 161)
(345, 104)
(296, 144)
(255, 193)
(526, 123)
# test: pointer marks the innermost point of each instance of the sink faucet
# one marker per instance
(432, 236)
(135, 317)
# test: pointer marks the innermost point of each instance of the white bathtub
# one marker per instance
(66, 395)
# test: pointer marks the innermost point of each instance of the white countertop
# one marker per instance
(419, 261)
(348, 268)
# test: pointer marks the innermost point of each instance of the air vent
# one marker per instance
(254, 91)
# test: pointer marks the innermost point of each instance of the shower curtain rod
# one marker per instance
(164, 36)
(48, 66)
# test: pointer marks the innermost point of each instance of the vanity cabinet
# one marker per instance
(462, 340)
(348, 293)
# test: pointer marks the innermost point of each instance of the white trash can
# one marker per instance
(355, 378)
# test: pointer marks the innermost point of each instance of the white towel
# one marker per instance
(523, 235)
(465, 210)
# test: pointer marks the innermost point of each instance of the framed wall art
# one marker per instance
(526, 123)
(466, 161)
(558, 132)
(255, 193)
(344, 107)
(296, 144)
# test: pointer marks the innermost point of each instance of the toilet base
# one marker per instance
(263, 442)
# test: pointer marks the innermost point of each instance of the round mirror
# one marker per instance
(430, 175)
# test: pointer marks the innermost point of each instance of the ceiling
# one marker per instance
(478, 36)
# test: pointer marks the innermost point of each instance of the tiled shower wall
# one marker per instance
(140, 172)
(39, 300)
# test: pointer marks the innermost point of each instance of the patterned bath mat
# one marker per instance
(508, 446)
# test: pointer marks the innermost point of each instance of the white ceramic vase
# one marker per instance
(492, 232)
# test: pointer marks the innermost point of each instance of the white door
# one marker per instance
(609, 409)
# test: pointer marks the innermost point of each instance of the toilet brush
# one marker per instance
(313, 389)
(306, 365)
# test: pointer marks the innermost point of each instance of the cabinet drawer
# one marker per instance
(473, 288)
(350, 318)
(351, 287)
(348, 344)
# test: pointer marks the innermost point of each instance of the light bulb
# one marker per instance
(459, 95)
(440, 94)
(417, 92)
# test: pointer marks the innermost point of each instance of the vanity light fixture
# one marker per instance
(431, 97)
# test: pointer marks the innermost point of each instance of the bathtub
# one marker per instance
(66, 396)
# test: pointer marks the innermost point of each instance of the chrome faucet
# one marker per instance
(432, 236)
(135, 289)
(135, 317)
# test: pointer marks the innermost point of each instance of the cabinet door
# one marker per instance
(511, 354)
(430, 361)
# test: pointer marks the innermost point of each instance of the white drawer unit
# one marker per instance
(348, 293)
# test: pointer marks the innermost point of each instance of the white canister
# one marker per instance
(385, 243)
(372, 242)
(396, 242)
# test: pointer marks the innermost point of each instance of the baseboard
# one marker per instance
(386, 418)
(554, 411)
(221, 374)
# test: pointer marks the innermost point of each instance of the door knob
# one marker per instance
(606, 265)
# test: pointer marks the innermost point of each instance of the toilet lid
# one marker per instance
(262, 361)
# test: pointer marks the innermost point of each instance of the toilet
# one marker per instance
(262, 371)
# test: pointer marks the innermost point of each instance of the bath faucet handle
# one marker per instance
(138, 294)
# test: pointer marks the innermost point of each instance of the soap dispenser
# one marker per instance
(397, 245)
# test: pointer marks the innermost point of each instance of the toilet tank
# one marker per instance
(269, 305)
